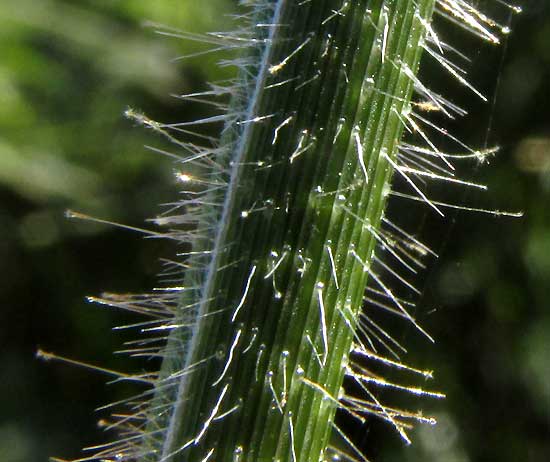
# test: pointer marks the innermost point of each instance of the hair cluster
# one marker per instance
(278, 310)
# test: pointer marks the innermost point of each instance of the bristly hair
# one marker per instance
(266, 325)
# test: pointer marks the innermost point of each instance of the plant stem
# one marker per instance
(308, 168)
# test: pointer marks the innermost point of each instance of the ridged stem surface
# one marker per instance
(308, 176)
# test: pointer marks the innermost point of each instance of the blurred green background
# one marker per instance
(69, 69)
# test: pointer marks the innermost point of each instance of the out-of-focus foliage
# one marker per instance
(69, 69)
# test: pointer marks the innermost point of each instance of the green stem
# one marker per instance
(309, 171)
